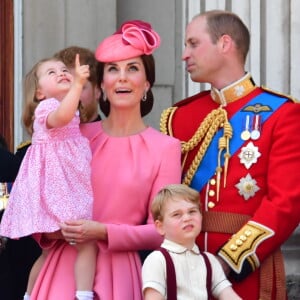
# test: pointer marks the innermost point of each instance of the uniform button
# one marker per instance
(243, 238)
(248, 232)
(211, 193)
(239, 242)
(212, 181)
(233, 247)
(211, 204)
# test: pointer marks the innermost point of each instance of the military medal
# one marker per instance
(245, 135)
(249, 155)
(247, 187)
(255, 133)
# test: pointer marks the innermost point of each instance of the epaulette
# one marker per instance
(279, 94)
(24, 144)
(191, 99)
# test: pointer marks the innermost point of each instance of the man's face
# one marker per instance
(202, 57)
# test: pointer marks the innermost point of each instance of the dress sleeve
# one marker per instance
(44, 108)
(170, 169)
(144, 236)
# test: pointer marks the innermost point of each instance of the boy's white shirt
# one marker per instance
(190, 271)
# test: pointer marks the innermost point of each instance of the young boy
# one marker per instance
(177, 216)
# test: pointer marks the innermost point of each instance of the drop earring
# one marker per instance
(144, 98)
(104, 96)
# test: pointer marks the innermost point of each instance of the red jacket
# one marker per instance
(263, 220)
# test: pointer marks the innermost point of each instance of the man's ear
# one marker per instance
(225, 43)
(159, 227)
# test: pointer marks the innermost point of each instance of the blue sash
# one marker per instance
(208, 164)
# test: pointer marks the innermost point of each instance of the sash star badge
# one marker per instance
(247, 187)
(249, 155)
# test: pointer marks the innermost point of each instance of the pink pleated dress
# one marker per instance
(126, 174)
(54, 181)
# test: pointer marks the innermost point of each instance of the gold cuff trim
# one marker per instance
(243, 244)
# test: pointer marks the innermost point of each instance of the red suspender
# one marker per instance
(208, 275)
(171, 275)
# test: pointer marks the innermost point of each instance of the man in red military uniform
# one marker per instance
(240, 149)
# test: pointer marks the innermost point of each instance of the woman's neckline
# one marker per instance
(132, 132)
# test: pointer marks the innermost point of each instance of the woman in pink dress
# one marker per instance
(131, 163)
(53, 184)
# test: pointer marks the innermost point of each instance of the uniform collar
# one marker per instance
(234, 91)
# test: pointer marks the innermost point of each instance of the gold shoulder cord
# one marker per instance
(165, 119)
(216, 119)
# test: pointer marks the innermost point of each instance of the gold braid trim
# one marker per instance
(165, 120)
(215, 120)
(243, 244)
(208, 128)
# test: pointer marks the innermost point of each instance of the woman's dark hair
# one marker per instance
(146, 106)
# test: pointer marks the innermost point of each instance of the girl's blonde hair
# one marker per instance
(170, 192)
(31, 83)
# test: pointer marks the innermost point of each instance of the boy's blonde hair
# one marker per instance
(170, 192)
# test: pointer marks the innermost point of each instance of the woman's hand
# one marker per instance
(81, 231)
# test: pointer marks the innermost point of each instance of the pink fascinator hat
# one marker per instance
(134, 38)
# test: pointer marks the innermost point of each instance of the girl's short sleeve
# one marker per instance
(44, 108)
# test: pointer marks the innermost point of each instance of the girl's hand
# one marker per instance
(81, 231)
(82, 73)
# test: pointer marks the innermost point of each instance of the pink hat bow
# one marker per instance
(134, 38)
(141, 36)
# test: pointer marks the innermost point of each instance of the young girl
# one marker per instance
(53, 184)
